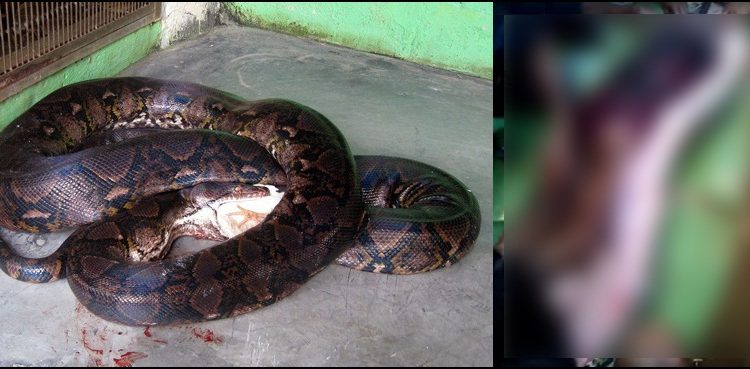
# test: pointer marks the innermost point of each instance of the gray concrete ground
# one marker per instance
(341, 317)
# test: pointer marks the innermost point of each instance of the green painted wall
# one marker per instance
(450, 35)
(105, 62)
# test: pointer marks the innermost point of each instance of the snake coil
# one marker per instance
(99, 153)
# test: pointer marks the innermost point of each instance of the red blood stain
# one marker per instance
(207, 335)
(87, 344)
(147, 333)
(98, 362)
(128, 358)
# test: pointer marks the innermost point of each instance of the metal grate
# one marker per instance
(39, 38)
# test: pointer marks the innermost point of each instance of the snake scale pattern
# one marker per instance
(113, 157)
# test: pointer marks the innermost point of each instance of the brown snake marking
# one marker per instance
(89, 150)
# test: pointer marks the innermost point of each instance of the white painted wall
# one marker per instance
(184, 20)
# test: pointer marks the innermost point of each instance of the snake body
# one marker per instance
(114, 154)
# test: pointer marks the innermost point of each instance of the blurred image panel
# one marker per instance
(624, 147)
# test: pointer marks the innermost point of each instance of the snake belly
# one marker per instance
(376, 214)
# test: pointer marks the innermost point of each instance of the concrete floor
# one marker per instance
(341, 317)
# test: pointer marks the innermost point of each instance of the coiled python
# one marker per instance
(118, 154)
